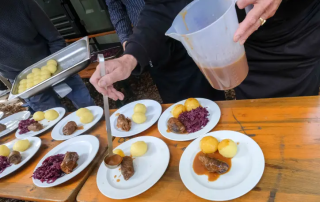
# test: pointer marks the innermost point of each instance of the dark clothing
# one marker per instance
(172, 69)
(26, 36)
(124, 14)
(284, 54)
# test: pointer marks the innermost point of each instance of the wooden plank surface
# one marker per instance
(19, 184)
(90, 36)
(88, 71)
(288, 132)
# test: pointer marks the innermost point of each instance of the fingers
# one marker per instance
(249, 23)
(95, 79)
(112, 77)
(244, 3)
(119, 94)
(114, 94)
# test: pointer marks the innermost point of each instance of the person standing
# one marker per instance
(124, 16)
(26, 37)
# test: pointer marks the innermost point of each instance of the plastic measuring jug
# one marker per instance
(206, 29)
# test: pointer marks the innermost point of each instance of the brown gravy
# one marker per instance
(183, 15)
(118, 180)
(200, 169)
(117, 114)
(80, 128)
(228, 77)
(113, 160)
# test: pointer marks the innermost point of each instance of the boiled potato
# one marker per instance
(52, 68)
(52, 62)
(191, 104)
(38, 116)
(138, 148)
(209, 144)
(29, 76)
(23, 81)
(22, 86)
(36, 70)
(37, 77)
(21, 145)
(177, 110)
(4, 150)
(36, 81)
(86, 118)
(140, 108)
(45, 72)
(228, 148)
(21, 90)
(45, 77)
(139, 117)
(51, 114)
(81, 111)
(119, 152)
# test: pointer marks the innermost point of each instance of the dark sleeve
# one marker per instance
(148, 43)
(120, 19)
(44, 26)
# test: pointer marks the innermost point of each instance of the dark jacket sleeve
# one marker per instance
(44, 26)
(148, 43)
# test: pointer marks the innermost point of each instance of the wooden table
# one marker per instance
(88, 71)
(288, 132)
(19, 184)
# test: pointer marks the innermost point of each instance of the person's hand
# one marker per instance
(116, 70)
(124, 45)
(263, 9)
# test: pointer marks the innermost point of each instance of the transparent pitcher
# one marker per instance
(206, 29)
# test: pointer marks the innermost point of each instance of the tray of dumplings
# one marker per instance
(51, 70)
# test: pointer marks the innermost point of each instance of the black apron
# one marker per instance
(284, 54)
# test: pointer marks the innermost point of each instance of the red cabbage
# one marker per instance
(23, 125)
(4, 163)
(50, 169)
(195, 119)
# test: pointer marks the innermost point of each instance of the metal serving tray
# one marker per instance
(71, 60)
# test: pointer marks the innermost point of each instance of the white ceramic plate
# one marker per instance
(26, 155)
(214, 117)
(246, 170)
(12, 122)
(57, 133)
(46, 124)
(153, 113)
(86, 146)
(148, 170)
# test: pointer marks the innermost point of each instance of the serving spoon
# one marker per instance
(111, 160)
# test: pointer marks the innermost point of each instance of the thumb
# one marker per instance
(111, 78)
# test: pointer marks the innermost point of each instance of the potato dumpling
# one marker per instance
(86, 118)
(52, 68)
(81, 111)
(37, 77)
(139, 117)
(22, 86)
(45, 77)
(177, 110)
(209, 144)
(21, 145)
(138, 148)
(52, 62)
(45, 72)
(30, 85)
(140, 108)
(119, 152)
(38, 116)
(43, 68)
(36, 81)
(4, 150)
(191, 104)
(228, 148)
(21, 90)
(29, 76)
(36, 70)
(23, 81)
(51, 114)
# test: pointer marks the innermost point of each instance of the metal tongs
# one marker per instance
(107, 118)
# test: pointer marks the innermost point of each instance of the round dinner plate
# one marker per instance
(153, 113)
(46, 124)
(57, 133)
(214, 117)
(246, 170)
(12, 122)
(86, 146)
(148, 169)
(35, 144)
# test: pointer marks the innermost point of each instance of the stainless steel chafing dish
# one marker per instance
(71, 60)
